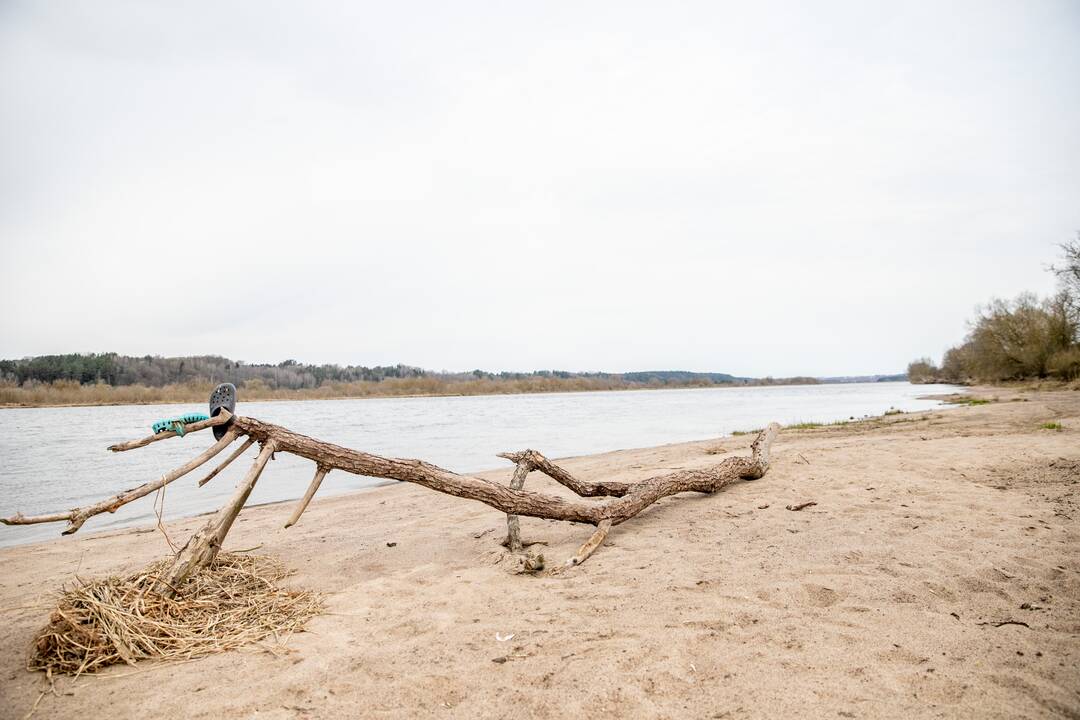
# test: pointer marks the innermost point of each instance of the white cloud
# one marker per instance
(772, 189)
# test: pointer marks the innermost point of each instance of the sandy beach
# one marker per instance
(938, 575)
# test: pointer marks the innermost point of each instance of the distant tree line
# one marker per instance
(270, 381)
(155, 371)
(1029, 337)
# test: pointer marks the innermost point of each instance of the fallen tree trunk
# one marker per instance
(627, 499)
(634, 497)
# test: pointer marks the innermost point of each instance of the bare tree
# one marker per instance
(1068, 271)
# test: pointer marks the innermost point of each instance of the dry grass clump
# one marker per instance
(234, 602)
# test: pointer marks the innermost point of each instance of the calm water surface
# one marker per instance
(55, 458)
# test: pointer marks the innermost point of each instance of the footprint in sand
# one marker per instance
(904, 596)
(820, 596)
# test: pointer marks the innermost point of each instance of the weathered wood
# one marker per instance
(20, 519)
(513, 522)
(528, 460)
(77, 516)
(607, 488)
(627, 499)
(202, 547)
(759, 452)
(591, 544)
(219, 419)
(520, 502)
(226, 462)
(497, 495)
(320, 473)
(705, 480)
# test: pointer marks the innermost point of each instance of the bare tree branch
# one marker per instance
(627, 499)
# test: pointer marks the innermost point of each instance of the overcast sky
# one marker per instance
(756, 188)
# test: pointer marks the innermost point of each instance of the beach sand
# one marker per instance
(884, 600)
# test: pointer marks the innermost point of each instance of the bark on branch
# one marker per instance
(536, 461)
(625, 500)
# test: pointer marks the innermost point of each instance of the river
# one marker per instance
(52, 459)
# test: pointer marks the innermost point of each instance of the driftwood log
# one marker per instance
(626, 499)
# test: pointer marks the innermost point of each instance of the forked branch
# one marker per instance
(625, 499)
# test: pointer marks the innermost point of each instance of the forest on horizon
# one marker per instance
(111, 378)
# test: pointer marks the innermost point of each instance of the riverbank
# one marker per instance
(938, 575)
(73, 394)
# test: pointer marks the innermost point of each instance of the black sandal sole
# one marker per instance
(224, 396)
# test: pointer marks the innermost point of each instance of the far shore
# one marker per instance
(201, 393)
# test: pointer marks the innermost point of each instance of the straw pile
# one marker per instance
(232, 603)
